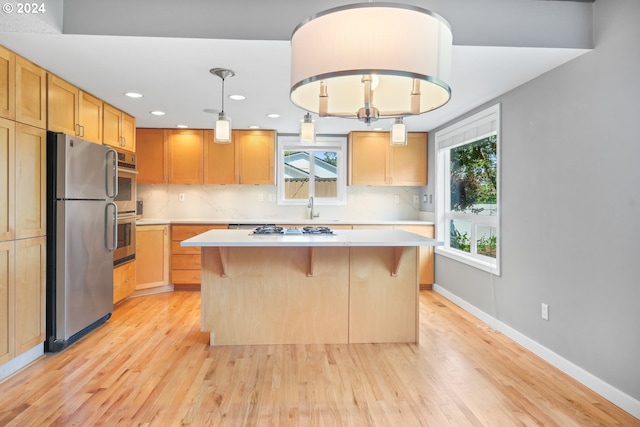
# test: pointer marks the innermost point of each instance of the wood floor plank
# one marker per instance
(150, 365)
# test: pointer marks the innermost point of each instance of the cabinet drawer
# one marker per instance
(185, 277)
(183, 232)
(186, 262)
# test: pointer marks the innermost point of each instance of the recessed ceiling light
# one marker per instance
(378, 129)
(133, 94)
(237, 97)
(158, 113)
(254, 127)
(273, 115)
(182, 126)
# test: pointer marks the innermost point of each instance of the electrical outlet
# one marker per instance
(181, 197)
(545, 311)
(272, 197)
(260, 197)
(396, 198)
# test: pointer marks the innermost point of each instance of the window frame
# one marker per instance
(474, 128)
(322, 143)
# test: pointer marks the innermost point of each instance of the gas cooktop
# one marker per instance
(271, 229)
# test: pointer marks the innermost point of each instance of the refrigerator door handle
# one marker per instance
(114, 227)
(113, 165)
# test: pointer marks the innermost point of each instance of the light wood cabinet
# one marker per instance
(62, 106)
(30, 182)
(374, 161)
(248, 159)
(219, 160)
(185, 153)
(30, 267)
(152, 256)
(185, 261)
(255, 156)
(91, 117)
(124, 281)
(31, 93)
(7, 179)
(7, 307)
(151, 153)
(7, 83)
(118, 128)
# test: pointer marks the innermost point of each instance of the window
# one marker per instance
(467, 190)
(306, 170)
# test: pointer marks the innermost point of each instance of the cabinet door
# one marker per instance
(368, 158)
(128, 132)
(30, 263)
(124, 281)
(219, 160)
(152, 256)
(185, 156)
(151, 153)
(30, 179)
(31, 93)
(7, 83)
(7, 179)
(255, 156)
(7, 289)
(408, 163)
(91, 117)
(62, 106)
(111, 126)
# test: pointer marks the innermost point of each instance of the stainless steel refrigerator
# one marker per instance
(81, 236)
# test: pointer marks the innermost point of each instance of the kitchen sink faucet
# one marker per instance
(310, 206)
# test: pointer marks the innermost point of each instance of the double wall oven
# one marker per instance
(126, 203)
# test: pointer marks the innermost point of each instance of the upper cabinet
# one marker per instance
(72, 111)
(190, 156)
(31, 94)
(151, 153)
(119, 128)
(185, 148)
(374, 161)
(7, 84)
(248, 159)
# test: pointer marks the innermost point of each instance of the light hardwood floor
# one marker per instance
(151, 366)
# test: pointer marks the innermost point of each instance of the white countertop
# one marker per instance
(238, 238)
(260, 221)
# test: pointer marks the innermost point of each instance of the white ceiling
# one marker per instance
(172, 70)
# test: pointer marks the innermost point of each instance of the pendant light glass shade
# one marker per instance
(307, 129)
(370, 61)
(398, 134)
(222, 134)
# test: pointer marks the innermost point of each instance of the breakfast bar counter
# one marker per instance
(354, 286)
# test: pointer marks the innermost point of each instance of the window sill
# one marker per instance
(488, 266)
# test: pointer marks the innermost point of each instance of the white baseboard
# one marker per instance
(606, 390)
(20, 361)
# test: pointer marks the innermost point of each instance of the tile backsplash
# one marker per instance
(195, 202)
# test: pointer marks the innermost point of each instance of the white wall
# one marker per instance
(571, 209)
(244, 202)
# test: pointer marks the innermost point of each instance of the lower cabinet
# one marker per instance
(124, 281)
(185, 261)
(152, 256)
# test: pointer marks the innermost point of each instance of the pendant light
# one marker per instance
(371, 61)
(398, 134)
(307, 130)
(222, 134)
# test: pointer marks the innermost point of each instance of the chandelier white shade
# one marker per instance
(370, 61)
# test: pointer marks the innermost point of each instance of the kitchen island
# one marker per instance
(354, 286)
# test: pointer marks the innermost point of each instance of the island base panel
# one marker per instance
(268, 297)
